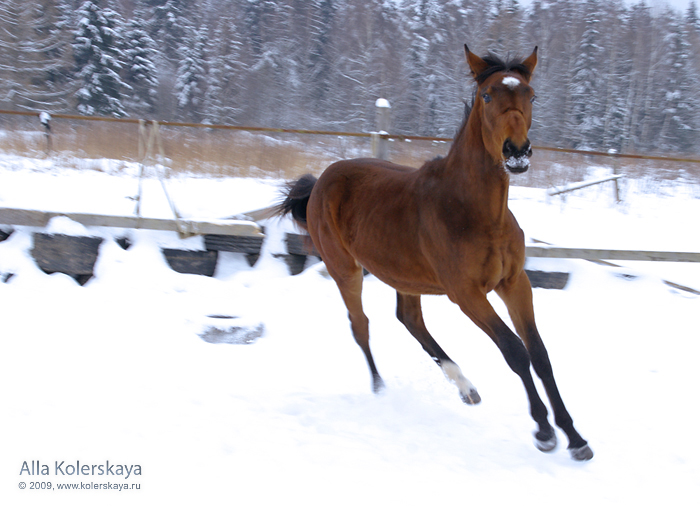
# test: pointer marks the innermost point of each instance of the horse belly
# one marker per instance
(416, 281)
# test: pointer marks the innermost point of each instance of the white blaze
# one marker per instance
(511, 82)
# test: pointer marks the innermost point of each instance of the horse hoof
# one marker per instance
(378, 385)
(471, 397)
(581, 454)
(546, 445)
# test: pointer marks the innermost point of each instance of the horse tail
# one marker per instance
(295, 198)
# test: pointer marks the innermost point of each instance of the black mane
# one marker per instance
(495, 64)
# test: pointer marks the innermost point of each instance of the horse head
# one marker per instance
(503, 103)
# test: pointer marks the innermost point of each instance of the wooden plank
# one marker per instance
(583, 184)
(607, 254)
(610, 264)
(35, 218)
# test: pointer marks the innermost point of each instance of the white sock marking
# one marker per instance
(454, 374)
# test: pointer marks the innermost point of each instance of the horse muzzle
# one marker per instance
(517, 159)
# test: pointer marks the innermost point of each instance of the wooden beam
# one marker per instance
(583, 184)
(35, 218)
(607, 254)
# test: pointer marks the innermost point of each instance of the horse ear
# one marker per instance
(531, 62)
(476, 64)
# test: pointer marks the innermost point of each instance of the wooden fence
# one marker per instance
(381, 134)
(250, 229)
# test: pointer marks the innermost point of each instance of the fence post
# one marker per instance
(380, 145)
(616, 171)
(45, 119)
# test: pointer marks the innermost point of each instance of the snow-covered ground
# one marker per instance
(115, 371)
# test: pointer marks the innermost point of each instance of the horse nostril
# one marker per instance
(517, 159)
(509, 149)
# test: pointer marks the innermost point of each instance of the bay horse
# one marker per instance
(443, 229)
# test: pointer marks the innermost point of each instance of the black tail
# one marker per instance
(295, 198)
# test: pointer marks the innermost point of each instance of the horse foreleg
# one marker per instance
(477, 307)
(518, 300)
(409, 312)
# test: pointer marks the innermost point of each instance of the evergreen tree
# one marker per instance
(226, 69)
(587, 111)
(610, 74)
(273, 77)
(140, 70)
(96, 48)
(679, 129)
(636, 107)
(171, 24)
(190, 83)
(320, 58)
(615, 79)
(34, 44)
(506, 27)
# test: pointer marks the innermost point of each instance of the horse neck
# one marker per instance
(472, 172)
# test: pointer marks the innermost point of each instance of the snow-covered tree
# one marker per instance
(190, 85)
(680, 100)
(34, 51)
(506, 27)
(226, 71)
(139, 67)
(616, 69)
(319, 73)
(97, 49)
(586, 97)
(171, 24)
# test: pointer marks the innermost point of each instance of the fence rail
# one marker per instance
(36, 218)
(608, 254)
(342, 134)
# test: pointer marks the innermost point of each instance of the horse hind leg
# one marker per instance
(409, 312)
(350, 286)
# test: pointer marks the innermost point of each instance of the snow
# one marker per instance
(518, 164)
(382, 103)
(115, 370)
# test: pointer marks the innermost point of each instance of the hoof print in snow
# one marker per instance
(72, 255)
(551, 280)
(221, 329)
(250, 246)
(191, 262)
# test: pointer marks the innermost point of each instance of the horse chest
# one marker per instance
(497, 259)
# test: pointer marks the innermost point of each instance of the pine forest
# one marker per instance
(611, 74)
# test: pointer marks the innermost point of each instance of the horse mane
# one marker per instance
(496, 64)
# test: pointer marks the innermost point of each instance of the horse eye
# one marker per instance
(486, 97)
(532, 100)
